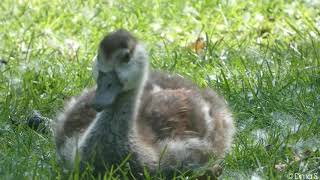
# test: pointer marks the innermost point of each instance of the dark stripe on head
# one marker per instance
(120, 39)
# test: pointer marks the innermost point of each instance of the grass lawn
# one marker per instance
(263, 56)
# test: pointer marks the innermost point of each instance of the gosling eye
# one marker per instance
(125, 57)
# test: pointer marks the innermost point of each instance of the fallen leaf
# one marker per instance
(296, 158)
(280, 167)
(198, 46)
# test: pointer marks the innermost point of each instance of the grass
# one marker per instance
(263, 56)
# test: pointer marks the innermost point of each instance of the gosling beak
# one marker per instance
(108, 88)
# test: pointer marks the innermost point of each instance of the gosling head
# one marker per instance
(120, 65)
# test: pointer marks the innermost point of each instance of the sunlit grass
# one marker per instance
(264, 57)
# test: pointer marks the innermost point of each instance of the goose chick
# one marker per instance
(161, 119)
